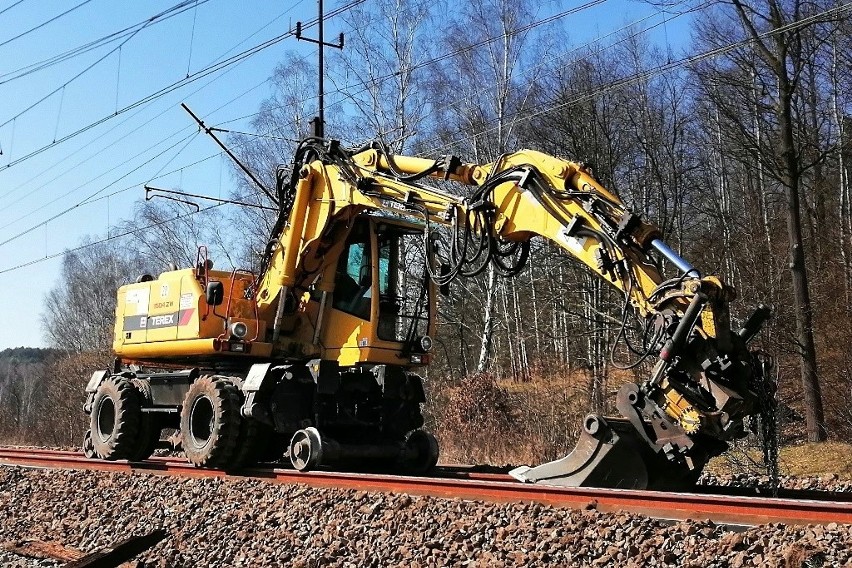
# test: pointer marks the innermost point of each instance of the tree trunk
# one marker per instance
(488, 323)
(780, 60)
(814, 414)
(842, 190)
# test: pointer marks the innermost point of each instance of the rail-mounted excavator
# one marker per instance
(314, 356)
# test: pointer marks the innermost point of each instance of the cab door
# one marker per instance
(348, 326)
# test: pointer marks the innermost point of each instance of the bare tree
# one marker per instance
(283, 120)
(382, 68)
(780, 47)
(79, 312)
(174, 231)
(479, 96)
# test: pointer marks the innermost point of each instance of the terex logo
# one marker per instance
(158, 321)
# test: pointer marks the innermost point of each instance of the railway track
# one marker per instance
(466, 483)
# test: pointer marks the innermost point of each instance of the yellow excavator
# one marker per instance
(314, 356)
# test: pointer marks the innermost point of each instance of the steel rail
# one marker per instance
(462, 484)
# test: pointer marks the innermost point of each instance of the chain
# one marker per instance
(766, 379)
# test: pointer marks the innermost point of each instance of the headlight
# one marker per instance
(239, 329)
(426, 343)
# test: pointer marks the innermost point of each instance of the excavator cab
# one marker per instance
(382, 298)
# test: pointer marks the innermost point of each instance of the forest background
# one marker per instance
(738, 152)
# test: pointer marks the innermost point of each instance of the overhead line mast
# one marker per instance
(318, 121)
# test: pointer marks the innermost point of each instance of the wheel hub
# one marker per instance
(201, 421)
(106, 419)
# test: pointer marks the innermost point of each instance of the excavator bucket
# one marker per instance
(609, 454)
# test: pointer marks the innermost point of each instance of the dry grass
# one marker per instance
(810, 459)
(498, 422)
(484, 421)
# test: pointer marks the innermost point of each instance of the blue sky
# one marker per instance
(102, 161)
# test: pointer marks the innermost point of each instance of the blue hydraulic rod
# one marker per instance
(674, 258)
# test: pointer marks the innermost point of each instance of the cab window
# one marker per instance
(353, 282)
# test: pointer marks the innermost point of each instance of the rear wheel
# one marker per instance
(210, 422)
(115, 419)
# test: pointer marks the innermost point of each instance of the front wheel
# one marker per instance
(210, 422)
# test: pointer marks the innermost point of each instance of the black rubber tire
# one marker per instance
(210, 422)
(149, 425)
(148, 439)
(88, 447)
(115, 419)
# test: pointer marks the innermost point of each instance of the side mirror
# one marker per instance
(215, 293)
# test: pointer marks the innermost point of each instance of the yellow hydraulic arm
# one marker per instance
(705, 381)
(521, 195)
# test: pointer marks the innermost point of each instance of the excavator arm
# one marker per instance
(705, 383)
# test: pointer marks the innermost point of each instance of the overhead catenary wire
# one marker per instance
(640, 76)
(81, 73)
(42, 171)
(457, 102)
(367, 84)
(91, 200)
(96, 193)
(43, 24)
(8, 204)
(4, 10)
(524, 28)
(213, 68)
(192, 38)
(107, 239)
(552, 105)
(82, 49)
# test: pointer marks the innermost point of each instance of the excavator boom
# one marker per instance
(705, 382)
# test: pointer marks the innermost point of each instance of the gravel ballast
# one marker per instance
(227, 522)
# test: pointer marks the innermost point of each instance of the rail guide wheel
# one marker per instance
(306, 449)
(424, 448)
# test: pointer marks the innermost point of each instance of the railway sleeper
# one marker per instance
(317, 414)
